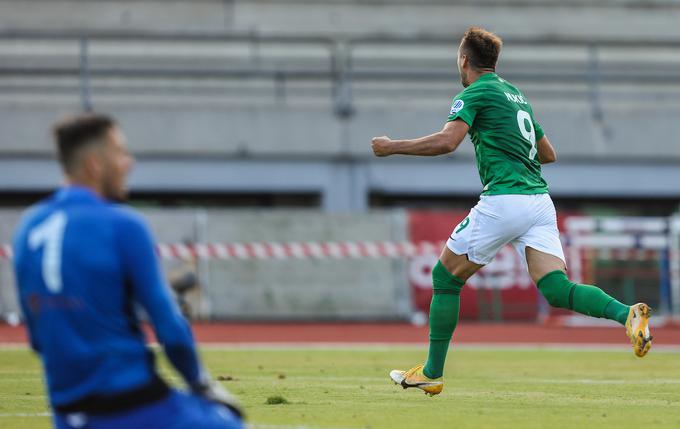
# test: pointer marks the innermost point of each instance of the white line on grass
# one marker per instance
(7, 415)
(567, 347)
(594, 381)
(500, 380)
(321, 378)
(251, 426)
(13, 347)
(268, 426)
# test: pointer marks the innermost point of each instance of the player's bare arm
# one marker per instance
(546, 152)
(445, 141)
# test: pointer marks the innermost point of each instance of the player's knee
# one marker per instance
(554, 299)
(556, 289)
(443, 282)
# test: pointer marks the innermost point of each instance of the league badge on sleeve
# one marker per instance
(457, 106)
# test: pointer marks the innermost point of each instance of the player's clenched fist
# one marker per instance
(381, 146)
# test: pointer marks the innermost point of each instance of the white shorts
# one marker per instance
(496, 220)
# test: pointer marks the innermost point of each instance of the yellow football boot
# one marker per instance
(637, 328)
(414, 377)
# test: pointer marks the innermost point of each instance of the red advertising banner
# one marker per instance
(502, 290)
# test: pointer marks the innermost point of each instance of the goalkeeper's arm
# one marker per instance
(150, 290)
(172, 329)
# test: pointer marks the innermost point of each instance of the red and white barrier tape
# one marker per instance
(330, 250)
(5, 251)
(306, 250)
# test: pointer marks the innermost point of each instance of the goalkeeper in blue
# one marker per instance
(83, 263)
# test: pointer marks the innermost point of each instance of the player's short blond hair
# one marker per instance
(482, 47)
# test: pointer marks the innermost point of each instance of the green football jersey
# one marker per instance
(504, 134)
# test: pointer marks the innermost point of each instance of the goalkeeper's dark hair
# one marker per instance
(481, 47)
(75, 133)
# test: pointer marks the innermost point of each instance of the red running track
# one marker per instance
(367, 333)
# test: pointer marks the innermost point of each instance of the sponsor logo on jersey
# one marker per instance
(457, 106)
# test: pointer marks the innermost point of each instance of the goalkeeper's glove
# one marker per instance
(215, 392)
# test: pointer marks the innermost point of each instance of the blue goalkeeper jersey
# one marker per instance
(81, 264)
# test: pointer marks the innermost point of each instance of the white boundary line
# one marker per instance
(7, 415)
(250, 426)
(576, 347)
(596, 381)
(270, 426)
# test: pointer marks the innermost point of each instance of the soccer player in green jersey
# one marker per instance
(514, 207)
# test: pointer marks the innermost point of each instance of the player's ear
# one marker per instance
(92, 163)
(464, 61)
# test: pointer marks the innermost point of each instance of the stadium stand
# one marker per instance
(282, 97)
(252, 86)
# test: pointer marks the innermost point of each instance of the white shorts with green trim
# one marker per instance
(496, 220)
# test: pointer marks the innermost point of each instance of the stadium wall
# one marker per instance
(306, 265)
(304, 288)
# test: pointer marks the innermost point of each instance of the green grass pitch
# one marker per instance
(349, 389)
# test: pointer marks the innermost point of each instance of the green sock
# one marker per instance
(443, 318)
(585, 299)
